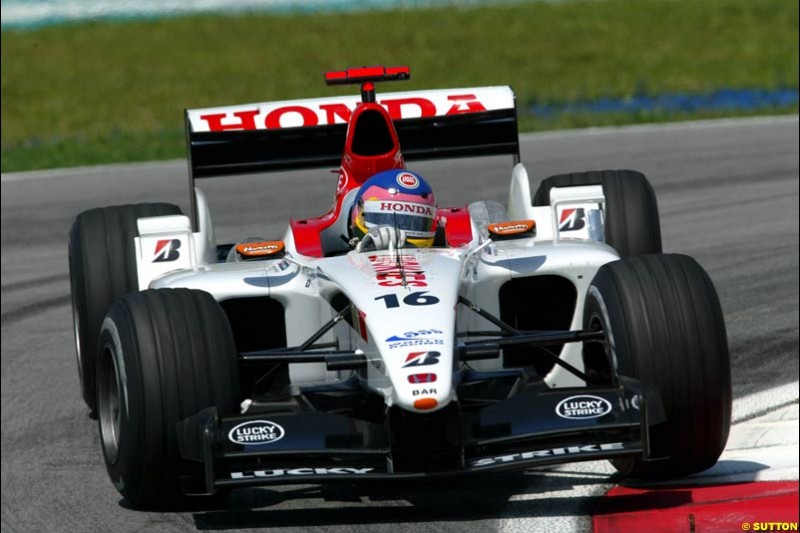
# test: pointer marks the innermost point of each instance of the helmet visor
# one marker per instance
(417, 220)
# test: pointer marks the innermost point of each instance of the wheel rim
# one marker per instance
(77, 334)
(109, 407)
(76, 316)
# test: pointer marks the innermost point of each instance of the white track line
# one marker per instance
(763, 402)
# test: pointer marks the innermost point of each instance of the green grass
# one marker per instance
(113, 92)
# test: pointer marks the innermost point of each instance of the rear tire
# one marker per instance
(632, 224)
(665, 327)
(164, 355)
(102, 268)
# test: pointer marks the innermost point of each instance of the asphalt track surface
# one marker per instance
(728, 195)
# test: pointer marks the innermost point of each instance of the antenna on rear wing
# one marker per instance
(367, 76)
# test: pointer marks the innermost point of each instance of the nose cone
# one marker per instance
(414, 326)
(408, 304)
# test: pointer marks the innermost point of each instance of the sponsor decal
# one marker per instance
(391, 270)
(553, 452)
(342, 183)
(415, 359)
(572, 219)
(278, 472)
(422, 378)
(512, 228)
(259, 249)
(583, 406)
(424, 392)
(362, 324)
(399, 207)
(409, 335)
(415, 342)
(465, 103)
(414, 338)
(167, 250)
(256, 432)
(635, 402)
(424, 404)
(281, 266)
(415, 298)
(407, 180)
(322, 113)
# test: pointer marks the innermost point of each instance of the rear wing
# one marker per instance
(311, 133)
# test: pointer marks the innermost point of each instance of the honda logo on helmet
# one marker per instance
(408, 180)
(405, 207)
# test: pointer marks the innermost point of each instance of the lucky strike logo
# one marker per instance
(422, 359)
(390, 270)
(572, 219)
(278, 472)
(583, 406)
(167, 250)
(407, 180)
(332, 113)
(256, 432)
(553, 452)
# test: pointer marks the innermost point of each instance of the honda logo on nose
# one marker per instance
(422, 378)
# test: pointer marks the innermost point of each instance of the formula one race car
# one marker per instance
(549, 330)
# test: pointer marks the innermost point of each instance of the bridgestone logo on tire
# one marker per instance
(583, 406)
(256, 432)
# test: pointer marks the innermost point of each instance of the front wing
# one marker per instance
(533, 428)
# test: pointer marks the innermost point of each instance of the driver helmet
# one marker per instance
(398, 198)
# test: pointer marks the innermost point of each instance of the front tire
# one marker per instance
(164, 355)
(665, 327)
(102, 268)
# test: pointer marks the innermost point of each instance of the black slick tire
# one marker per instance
(665, 327)
(102, 268)
(632, 224)
(164, 355)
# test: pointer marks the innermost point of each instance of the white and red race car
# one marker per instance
(549, 330)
